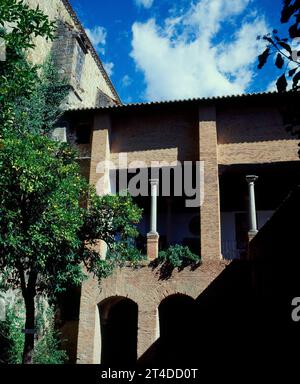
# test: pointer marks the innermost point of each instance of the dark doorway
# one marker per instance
(118, 318)
(178, 329)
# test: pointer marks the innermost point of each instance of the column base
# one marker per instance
(152, 245)
(251, 235)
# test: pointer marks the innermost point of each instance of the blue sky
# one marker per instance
(166, 49)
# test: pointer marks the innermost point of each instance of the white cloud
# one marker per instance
(109, 68)
(193, 54)
(126, 81)
(271, 86)
(144, 3)
(97, 36)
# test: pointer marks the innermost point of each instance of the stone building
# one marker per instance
(75, 57)
(237, 145)
(242, 143)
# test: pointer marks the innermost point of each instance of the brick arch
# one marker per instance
(167, 292)
(144, 287)
(115, 297)
(112, 288)
(177, 319)
(118, 328)
(109, 301)
(176, 294)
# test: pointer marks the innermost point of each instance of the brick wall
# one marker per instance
(147, 290)
(251, 133)
(216, 134)
(210, 209)
(160, 135)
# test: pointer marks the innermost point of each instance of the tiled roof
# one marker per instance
(185, 101)
(92, 49)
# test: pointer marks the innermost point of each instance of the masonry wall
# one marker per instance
(87, 76)
(156, 135)
(218, 134)
(210, 208)
(145, 287)
(252, 133)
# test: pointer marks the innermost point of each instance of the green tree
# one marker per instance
(47, 349)
(287, 56)
(50, 218)
(286, 53)
(39, 111)
(46, 232)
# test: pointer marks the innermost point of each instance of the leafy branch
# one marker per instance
(283, 47)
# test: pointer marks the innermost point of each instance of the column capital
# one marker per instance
(251, 178)
(154, 181)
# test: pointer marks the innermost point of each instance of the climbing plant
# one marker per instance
(176, 256)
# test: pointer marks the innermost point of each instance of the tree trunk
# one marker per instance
(29, 328)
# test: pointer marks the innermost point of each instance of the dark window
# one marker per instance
(119, 326)
(83, 133)
(80, 58)
(178, 323)
(194, 226)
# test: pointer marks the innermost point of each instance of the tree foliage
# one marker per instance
(47, 350)
(19, 24)
(50, 218)
(46, 232)
(287, 55)
(287, 59)
(39, 111)
(176, 256)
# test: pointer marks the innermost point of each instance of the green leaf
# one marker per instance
(285, 46)
(263, 58)
(293, 71)
(294, 31)
(279, 61)
(287, 11)
(281, 83)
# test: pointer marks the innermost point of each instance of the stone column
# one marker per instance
(99, 169)
(152, 236)
(210, 210)
(252, 209)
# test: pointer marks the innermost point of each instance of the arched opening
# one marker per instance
(178, 329)
(118, 319)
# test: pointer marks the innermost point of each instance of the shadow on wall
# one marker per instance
(244, 316)
(198, 331)
(165, 128)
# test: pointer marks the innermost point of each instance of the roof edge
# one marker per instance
(185, 101)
